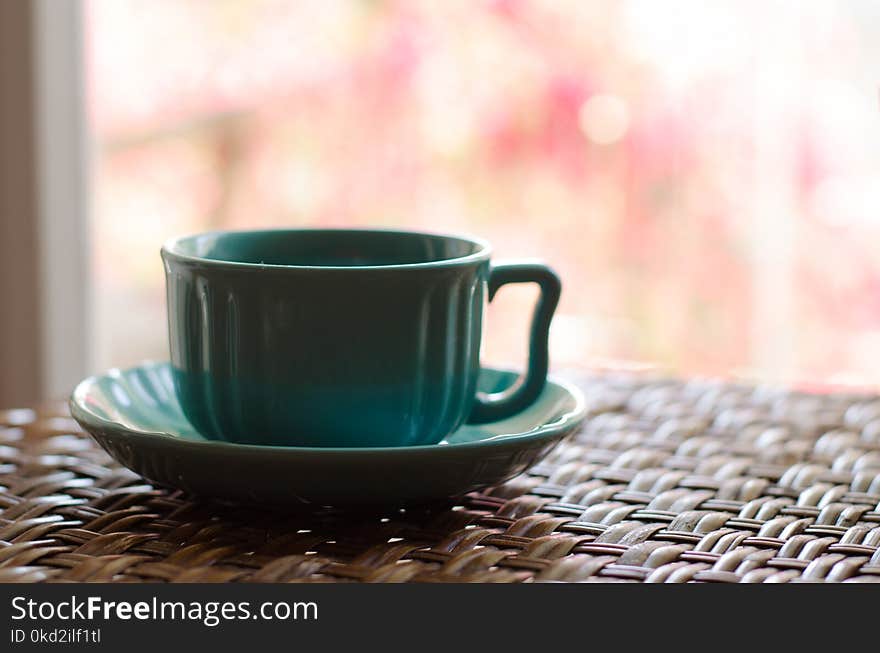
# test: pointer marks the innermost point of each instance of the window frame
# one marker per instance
(44, 204)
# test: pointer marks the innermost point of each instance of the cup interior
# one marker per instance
(325, 247)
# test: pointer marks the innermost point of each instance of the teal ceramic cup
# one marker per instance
(340, 338)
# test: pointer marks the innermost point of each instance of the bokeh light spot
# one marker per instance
(604, 119)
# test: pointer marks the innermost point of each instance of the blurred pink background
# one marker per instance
(704, 175)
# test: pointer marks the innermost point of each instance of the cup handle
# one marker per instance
(489, 407)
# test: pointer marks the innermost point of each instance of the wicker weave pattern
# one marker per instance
(668, 481)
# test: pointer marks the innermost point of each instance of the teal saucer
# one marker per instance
(134, 415)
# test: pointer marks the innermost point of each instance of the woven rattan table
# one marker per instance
(668, 481)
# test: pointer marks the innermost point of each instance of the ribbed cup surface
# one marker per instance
(325, 357)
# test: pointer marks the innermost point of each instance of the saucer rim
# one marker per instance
(560, 427)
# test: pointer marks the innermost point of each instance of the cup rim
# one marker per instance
(171, 250)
